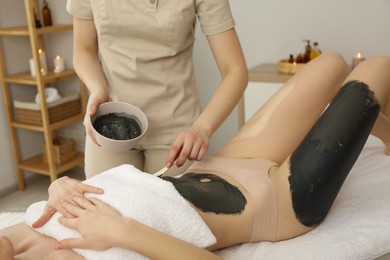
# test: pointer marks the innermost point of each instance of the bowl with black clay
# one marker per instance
(118, 126)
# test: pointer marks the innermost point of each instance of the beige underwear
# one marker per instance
(252, 174)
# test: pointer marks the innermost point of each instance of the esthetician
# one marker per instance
(141, 52)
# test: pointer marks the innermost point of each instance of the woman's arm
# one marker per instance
(87, 65)
(193, 143)
(101, 227)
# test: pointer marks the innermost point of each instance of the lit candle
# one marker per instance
(42, 61)
(357, 59)
(59, 64)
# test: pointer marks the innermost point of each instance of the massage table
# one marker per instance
(357, 227)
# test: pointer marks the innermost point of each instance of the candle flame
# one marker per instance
(359, 55)
(58, 57)
(40, 51)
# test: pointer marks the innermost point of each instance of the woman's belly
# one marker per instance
(210, 193)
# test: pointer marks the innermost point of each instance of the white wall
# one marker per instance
(269, 30)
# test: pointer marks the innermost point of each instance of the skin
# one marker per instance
(273, 134)
(6, 249)
(191, 144)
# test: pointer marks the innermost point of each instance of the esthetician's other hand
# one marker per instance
(191, 144)
(98, 223)
(95, 99)
(62, 190)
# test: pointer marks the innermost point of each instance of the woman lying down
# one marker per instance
(275, 180)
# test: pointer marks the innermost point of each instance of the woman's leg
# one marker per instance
(382, 126)
(28, 244)
(6, 249)
(309, 181)
(281, 124)
(98, 160)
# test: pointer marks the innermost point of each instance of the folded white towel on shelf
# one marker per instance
(143, 197)
(51, 95)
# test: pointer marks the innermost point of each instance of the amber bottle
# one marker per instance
(291, 59)
(306, 56)
(46, 14)
(315, 51)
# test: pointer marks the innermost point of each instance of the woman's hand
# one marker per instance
(95, 99)
(97, 222)
(62, 190)
(191, 144)
(101, 227)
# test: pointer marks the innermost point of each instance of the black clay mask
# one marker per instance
(210, 193)
(118, 126)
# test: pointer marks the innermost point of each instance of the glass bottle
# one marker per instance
(46, 14)
(315, 51)
(306, 56)
(36, 19)
(291, 59)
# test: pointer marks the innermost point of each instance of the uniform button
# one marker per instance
(152, 2)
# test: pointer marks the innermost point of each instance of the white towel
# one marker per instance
(140, 196)
(51, 95)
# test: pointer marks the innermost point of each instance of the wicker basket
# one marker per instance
(64, 150)
(28, 112)
(289, 68)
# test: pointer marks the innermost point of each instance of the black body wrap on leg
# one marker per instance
(321, 163)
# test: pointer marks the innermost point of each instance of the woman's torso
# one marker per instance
(246, 208)
(146, 53)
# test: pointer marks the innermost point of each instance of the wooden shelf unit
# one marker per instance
(35, 35)
(24, 30)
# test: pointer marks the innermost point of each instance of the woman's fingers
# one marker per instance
(175, 151)
(74, 210)
(48, 212)
(88, 129)
(188, 145)
(72, 243)
(82, 203)
(96, 201)
(91, 189)
(68, 222)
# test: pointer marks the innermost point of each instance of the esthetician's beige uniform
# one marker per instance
(146, 54)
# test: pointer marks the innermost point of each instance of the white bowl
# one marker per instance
(119, 107)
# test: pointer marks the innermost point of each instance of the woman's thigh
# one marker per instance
(29, 244)
(308, 182)
(279, 126)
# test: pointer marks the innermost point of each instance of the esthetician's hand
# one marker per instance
(98, 223)
(59, 191)
(191, 144)
(95, 99)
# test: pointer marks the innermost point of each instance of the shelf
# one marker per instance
(267, 72)
(35, 164)
(53, 126)
(23, 30)
(65, 113)
(25, 78)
